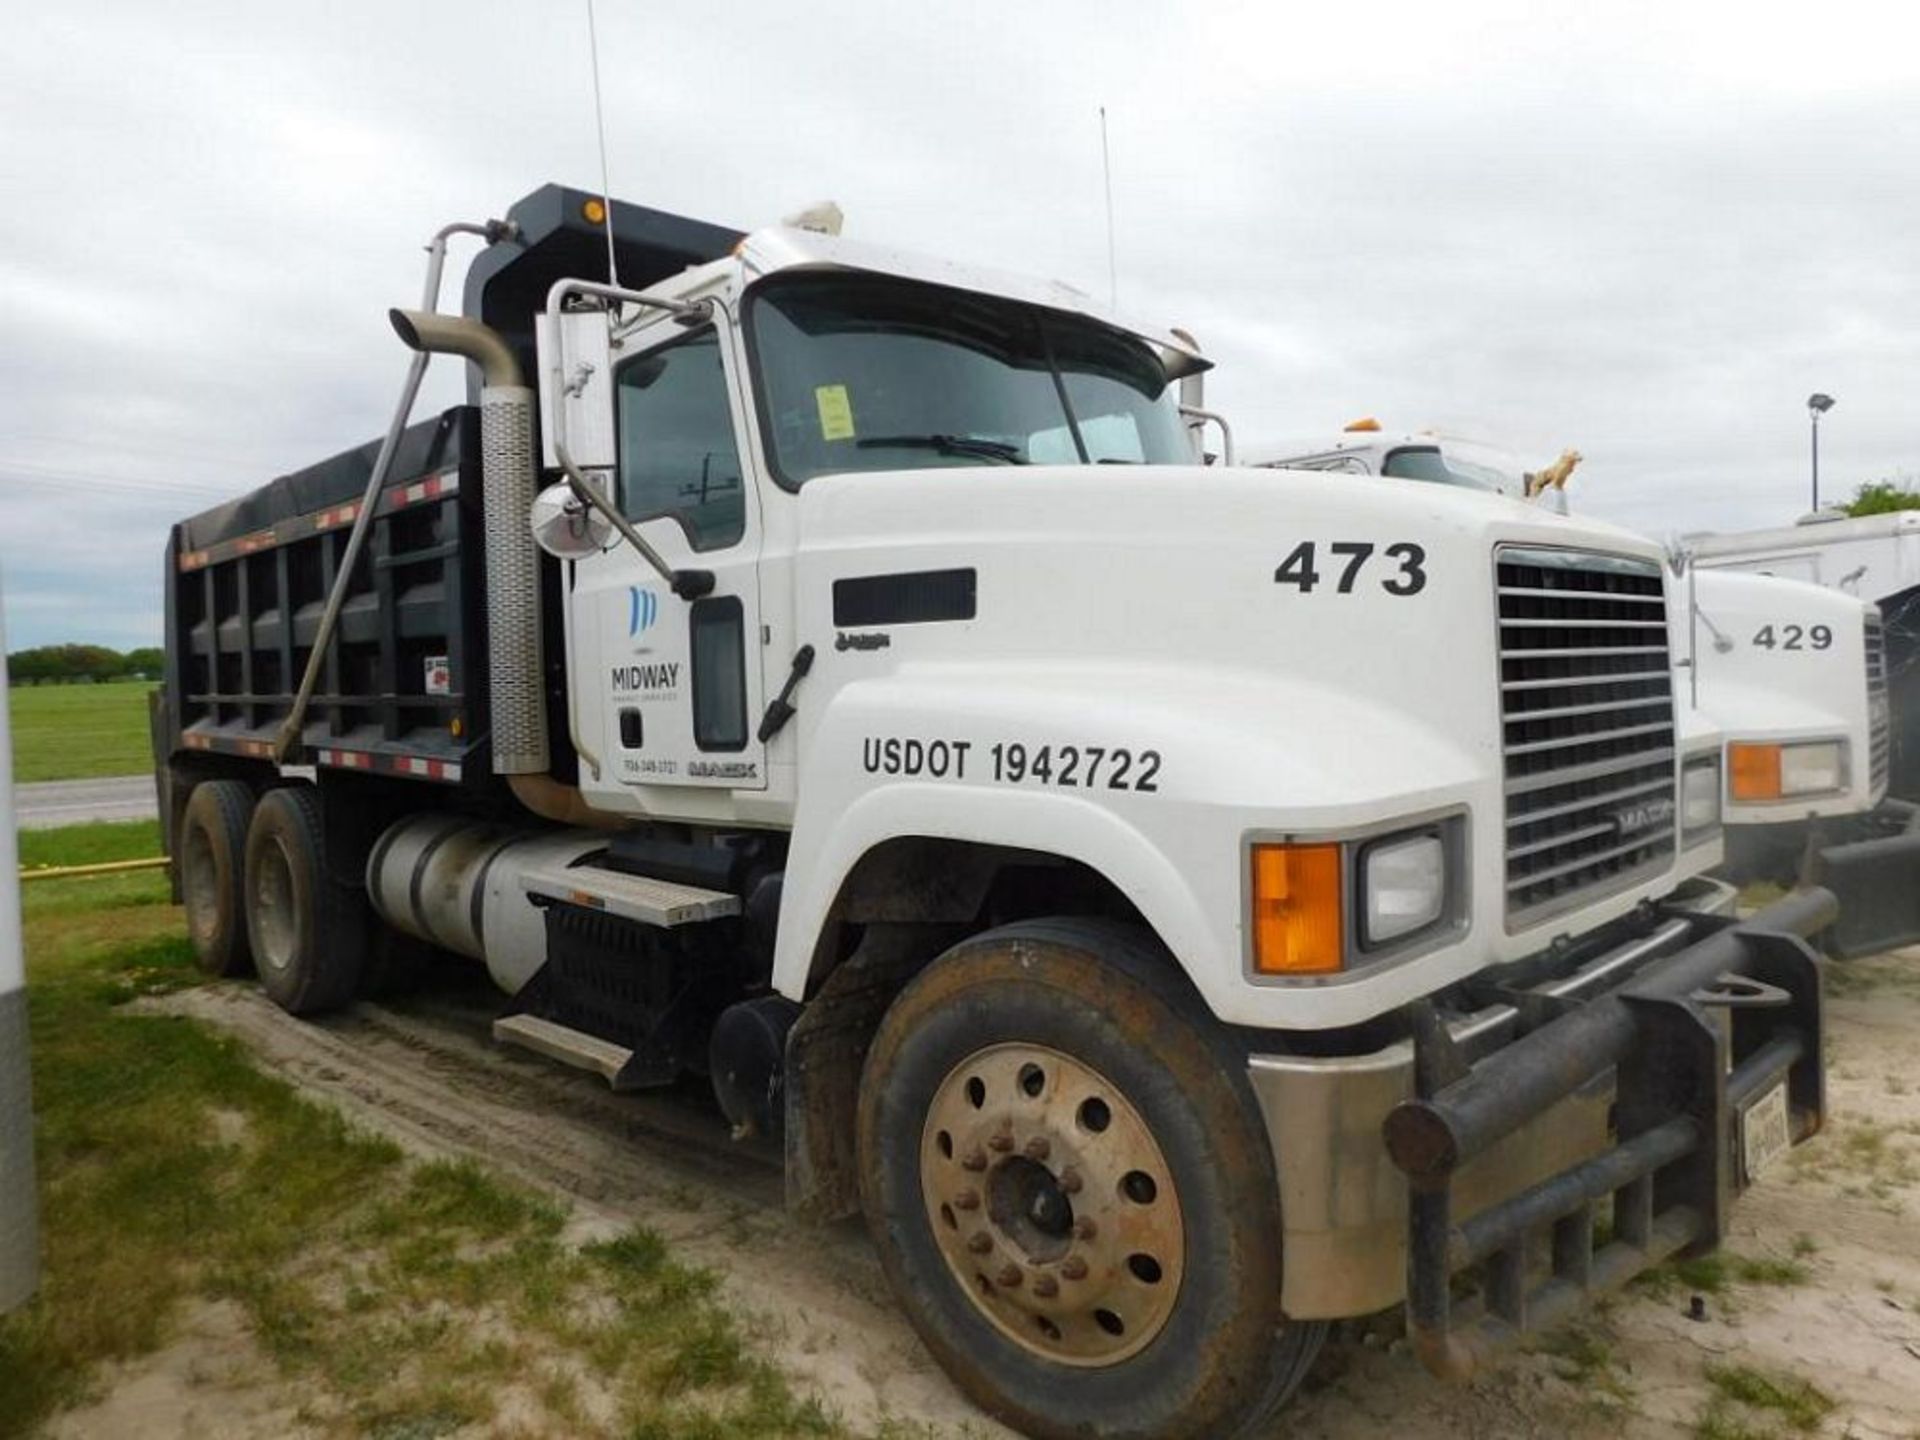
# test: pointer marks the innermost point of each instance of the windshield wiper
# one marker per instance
(980, 445)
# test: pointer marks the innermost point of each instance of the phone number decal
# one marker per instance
(1013, 762)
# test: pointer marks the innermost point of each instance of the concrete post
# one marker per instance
(19, 1212)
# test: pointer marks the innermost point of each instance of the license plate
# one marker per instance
(1765, 1131)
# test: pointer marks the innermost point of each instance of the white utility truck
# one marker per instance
(1179, 905)
(1795, 677)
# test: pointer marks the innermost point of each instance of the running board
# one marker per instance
(570, 1047)
(632, 897)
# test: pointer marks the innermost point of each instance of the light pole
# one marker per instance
(1817, 405)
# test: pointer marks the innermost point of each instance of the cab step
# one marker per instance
(664, 903)
(567, 1045)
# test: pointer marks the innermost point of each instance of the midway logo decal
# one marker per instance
(643, 608)
(661, 678)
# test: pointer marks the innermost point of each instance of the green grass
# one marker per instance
(89, 844)
(1749, 1404)
(78, 732)
(1719, 1272)
(401, 1298)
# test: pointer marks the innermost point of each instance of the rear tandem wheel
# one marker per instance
(213, 844)
(308, 931)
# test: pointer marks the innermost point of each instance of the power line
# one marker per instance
(17, 472)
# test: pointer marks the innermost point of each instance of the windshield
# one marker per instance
(862, 372)
(1420, 463)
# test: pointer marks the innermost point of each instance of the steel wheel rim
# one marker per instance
(273, 908)
(1052, 1204)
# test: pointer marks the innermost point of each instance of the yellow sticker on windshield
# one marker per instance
(836, 412)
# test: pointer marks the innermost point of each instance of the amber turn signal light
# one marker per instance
(1296, 909)
(1753, 771)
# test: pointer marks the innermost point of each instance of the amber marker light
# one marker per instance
(593, 211)
(1753, 771)
(1296, 909)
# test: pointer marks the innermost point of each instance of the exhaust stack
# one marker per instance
(516, 696)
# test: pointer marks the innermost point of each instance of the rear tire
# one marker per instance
(308, 933)
(1072, 1191)
(213, 847)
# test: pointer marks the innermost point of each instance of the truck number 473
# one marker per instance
(1410, 578)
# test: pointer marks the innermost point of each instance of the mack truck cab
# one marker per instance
(1177, 905)
(1796, 676)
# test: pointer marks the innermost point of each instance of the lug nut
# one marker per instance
(975, 1159)
(1070, 1180)
(967, 1200)
(1001, 1142)
(1046, 1287)
(1084, 1228)
(1038, 1148)
(1009, 1277)
(1073, 1268)
(980, 1243)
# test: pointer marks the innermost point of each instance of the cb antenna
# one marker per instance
(600, 124)
(1106, 167)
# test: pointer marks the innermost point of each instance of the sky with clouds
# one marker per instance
(1645, 230)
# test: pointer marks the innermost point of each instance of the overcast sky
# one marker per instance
(1647, 231)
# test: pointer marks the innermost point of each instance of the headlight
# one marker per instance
(1812, 769)
(1700, 796)
(1781, 772)
(1403, 886)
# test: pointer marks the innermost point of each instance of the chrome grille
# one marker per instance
(1586, 705)
(1879, 711)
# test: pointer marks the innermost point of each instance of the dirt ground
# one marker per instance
(1839, 1306)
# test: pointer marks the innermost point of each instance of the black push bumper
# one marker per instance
(1692, 1037)
(1875, 875)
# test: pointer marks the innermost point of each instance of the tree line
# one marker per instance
(73, 664)
(1882, 497)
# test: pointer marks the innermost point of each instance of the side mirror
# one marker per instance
(565, 527)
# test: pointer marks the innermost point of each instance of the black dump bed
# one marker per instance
(404, 684)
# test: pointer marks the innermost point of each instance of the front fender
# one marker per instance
(1213, 756)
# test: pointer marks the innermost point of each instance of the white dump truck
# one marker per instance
(1178, 905)
(1796, 677)
(1877, 558)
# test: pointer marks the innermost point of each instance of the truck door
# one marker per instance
(673, 688)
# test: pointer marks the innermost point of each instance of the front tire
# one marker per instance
(1072, 1192)
(308, 932)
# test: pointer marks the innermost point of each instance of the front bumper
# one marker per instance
(1872, 866)
(1547, 1089)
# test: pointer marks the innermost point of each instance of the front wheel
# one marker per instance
(1072, 1192)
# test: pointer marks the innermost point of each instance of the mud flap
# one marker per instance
(1877, 882)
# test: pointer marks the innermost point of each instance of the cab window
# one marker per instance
(678, 455)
